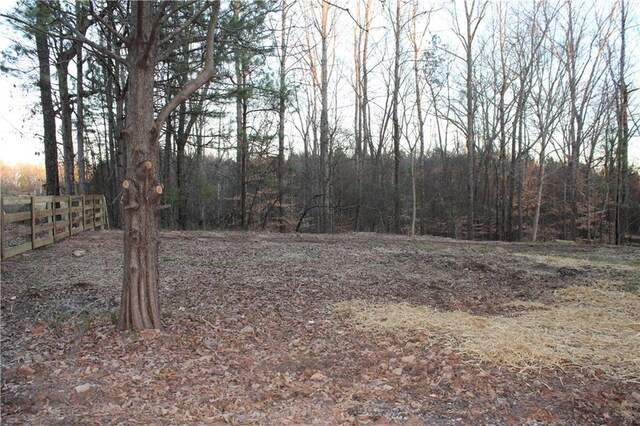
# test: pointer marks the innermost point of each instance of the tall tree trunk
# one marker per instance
(574, 132)
(114, 141)
(65, 56)
(67, 130)
(367, 142)
(541, 177)
(241, 137)
(282, 98)
(396, 123)
(416, 43)
(468, 38)
(413, 195)
(115, 110)
(181, 143)
(80, 24)
(470, 146)
(357, 116)
(325, 215)
(52, 185)
(140, 307)
(622, 157)
(502, 156)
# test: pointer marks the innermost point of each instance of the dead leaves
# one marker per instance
(248, 337)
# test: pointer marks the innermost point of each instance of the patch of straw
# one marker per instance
(572, 262)
(524, 304)
(586, 327)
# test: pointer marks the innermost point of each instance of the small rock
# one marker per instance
(149, 334)
(387, 388)
(636, 396)
(79, 253)
(83, 388)
(247, 329)
(408, 359)
(318, 377)
(397, 371)
(384, 366)
(26, 370)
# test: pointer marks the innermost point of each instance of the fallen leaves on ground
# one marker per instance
(250, 337)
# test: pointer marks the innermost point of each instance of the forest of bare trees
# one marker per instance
(472, 119)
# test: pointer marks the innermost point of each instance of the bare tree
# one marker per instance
(582, 60)
(397, 26)
(325, 167)
(474, 13)
(622, 115)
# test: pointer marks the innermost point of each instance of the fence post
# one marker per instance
(70, 215)
(33, 222)
(105, 212)
(54, 212)
(83, 216)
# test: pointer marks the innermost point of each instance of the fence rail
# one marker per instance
(32, 222)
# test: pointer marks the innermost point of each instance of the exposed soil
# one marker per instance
(251, 335)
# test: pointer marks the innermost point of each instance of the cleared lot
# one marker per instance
(355, 328)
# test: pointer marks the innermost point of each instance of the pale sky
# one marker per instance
(21, 119)
(20, 124)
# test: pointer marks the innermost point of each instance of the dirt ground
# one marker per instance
(251, 333)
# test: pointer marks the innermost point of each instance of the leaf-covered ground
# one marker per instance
(252, 334)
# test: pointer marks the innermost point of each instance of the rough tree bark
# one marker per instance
(140, 307)
(52, 185)
(62, 68)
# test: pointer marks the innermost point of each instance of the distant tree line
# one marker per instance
(471, 119)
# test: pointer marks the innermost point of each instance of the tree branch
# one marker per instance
(99, 18)
(201, 79)
(189, 22)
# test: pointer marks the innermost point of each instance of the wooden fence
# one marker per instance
(32, 222)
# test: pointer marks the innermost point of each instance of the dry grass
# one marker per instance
(591, 328)
(572, 262)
